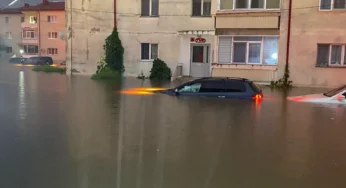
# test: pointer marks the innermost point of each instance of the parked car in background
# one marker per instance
(42, 60)
(239, 88)
(335, 96)
(17, 60)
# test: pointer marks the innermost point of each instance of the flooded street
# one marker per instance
(58, 131)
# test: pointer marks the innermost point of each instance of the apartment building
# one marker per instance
(42, 27)
(318, 39)
(10, 32)
(181, 33)
(251, 39)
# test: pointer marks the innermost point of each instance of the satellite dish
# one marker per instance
(63, 35)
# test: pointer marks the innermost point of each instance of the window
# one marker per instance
(31, 49)
(248, 4)
(149, 51)
(33, 19)
(248, 50)
(212, 87)
(235, 86)
(331, 55)
(150, 8)
(8, 35)
(52, 19)
(8, 50)
(332, 4)
(191, 88)
(29, 34)
(22, 19)
(7, 20)
(52, 51)
(201, 7)
(52, 35)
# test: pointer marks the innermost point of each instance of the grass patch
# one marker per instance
(49, 69)
(107, 75)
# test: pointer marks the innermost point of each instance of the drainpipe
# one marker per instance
(115, 14)
(39, 33)
(289, 32)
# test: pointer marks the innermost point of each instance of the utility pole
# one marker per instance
(115, 14)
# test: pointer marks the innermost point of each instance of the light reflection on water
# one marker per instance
(82, 133)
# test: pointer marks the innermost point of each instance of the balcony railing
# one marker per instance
(29, 25)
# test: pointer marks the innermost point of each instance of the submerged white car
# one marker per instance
(335, 96)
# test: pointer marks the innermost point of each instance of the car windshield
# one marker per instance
(335, 91)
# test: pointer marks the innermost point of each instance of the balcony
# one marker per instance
(248, 20)
(29, 41)
(26, 25)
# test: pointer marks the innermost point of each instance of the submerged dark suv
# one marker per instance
(41, 60)
(240, 88)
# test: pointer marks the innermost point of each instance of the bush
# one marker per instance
(49, 69)
(160, 71)
(114, 52)
(284, 82)
(104, 72)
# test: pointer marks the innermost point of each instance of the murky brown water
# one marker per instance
(72, 132)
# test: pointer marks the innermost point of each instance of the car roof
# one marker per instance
(223, 78)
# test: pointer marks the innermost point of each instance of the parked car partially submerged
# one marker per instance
(42, 60)
(239, 88)
(336, 96)
(17, 60)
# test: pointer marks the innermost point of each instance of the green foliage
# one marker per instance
(104, 72)
(49, 69)
(160, 71)
(114, 52)
(284, 82)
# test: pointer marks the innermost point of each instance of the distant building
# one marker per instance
(10, 32)
(42, 26)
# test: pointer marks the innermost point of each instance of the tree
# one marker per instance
(114, 52)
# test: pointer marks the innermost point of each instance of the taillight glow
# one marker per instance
(257, 97)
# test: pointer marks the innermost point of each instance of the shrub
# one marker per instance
(160, 71)
(284, 82)
(104, 72)
(49, 69)
(114, 52)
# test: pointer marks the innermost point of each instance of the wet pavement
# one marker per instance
(58, 131)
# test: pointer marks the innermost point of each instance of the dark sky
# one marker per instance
(4, 3)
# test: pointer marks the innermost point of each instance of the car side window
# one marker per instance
(213, 87)
(235, 86)
(191, 88)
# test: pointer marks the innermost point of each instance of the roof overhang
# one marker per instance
(197, 32)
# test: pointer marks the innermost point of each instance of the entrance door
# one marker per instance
(200, 60)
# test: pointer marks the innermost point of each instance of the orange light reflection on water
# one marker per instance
(141, 91)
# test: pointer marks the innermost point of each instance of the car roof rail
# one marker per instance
(223, 78)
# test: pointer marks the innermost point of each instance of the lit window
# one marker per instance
(248, 50)
(201, 7)
(150, 7)
(149, 51)
(33, 19)
(331, 55)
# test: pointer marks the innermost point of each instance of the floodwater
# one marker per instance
(58, 131)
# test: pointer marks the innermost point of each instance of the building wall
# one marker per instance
(311, 26)
(257, 23)
(174, 16)
(92, 22)
(45, 28)
(14, 26)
